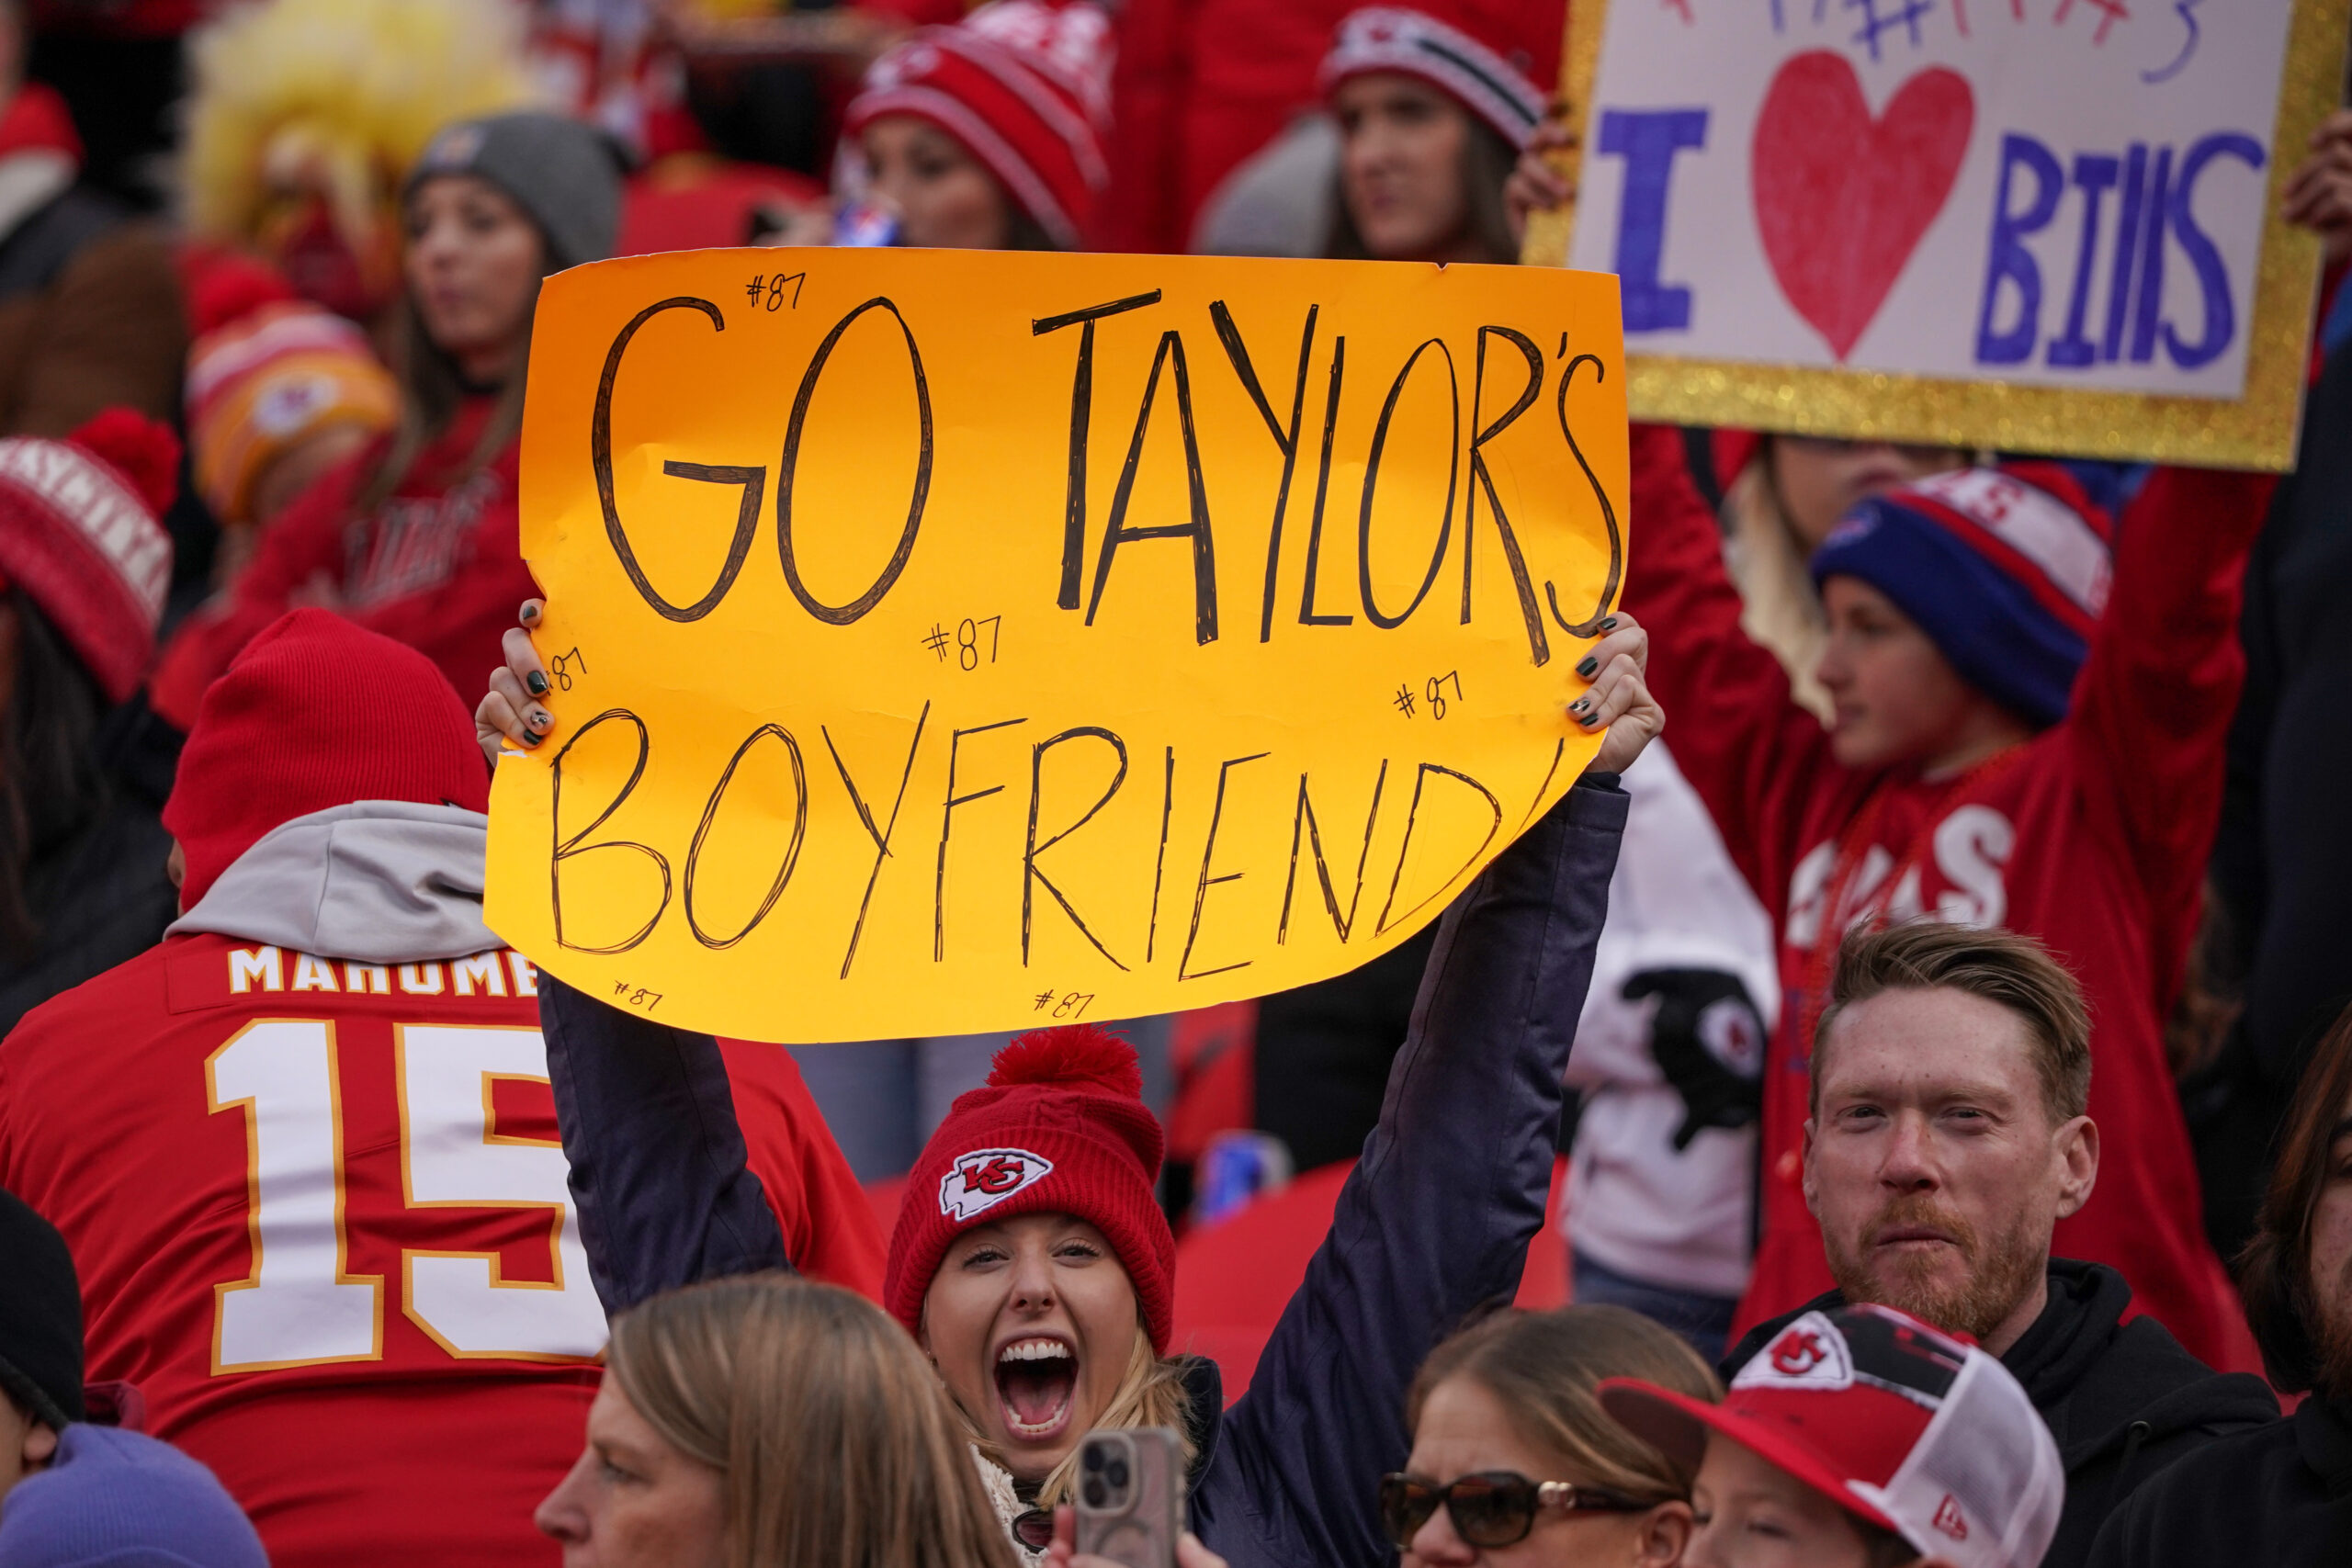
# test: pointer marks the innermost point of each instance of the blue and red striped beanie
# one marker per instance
(2007, 570)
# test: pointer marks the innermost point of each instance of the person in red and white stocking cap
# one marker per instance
(987, 135)
(1434, 108)
(84, 569)
(1859, 1438)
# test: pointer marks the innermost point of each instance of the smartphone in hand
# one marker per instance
(1131, 1496)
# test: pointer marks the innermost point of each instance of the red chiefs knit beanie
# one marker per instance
(79, 535)
(316, 713)
(1023, 85)
(1491, 56)
(1060, 1128)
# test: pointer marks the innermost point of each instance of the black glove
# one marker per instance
(1709, 1040)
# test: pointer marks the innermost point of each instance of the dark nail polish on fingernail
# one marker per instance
(1609, 624)
(1589, 668)
(537, 682)
(541, 719)
(527, 738)
(1587, 718)
(1580, 705)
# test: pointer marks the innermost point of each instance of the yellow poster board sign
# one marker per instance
(947, 642)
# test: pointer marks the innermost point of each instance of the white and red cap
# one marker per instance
(1903, 1425)
(79, 533)
(1023, 85)
(1487, 75)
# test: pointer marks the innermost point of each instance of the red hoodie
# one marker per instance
(2091, 837)
(438, 566)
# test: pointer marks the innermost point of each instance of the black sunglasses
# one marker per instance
(1491, 1508)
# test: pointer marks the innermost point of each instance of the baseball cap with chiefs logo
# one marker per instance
(1903, 1425)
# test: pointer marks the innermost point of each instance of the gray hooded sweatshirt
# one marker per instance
(383, 881)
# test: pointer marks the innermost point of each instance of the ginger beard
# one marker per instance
(1961, 1284)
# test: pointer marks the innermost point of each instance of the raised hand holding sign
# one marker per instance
(974, 640)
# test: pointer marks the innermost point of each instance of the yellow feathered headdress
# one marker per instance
(348, 91)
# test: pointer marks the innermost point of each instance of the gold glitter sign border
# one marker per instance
(2258, 430)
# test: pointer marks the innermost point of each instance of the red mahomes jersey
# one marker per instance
(319, 1215)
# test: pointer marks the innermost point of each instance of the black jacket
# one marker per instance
(1432, 1224)
(2123, 1399)
(2280, 1496)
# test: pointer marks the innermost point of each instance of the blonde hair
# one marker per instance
(1544, 1367)
(1150, 1393)
(1779, 608)
(831, 1434)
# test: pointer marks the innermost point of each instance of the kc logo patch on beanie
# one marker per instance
(985, 1178)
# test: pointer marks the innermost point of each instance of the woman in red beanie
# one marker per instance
(987, 135)
(84, 569)
(1031, 1261)
(1432, 110)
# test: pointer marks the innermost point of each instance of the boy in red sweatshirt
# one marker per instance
(2027, 734)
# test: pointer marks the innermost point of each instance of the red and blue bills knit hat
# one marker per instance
(2007, 570)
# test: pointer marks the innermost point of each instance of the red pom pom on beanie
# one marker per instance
(142, 450)
(1060, 1128)
(1078, 1056)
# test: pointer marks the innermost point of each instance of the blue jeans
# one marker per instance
(1703, 1320)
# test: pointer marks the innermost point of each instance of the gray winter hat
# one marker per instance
(565, 174)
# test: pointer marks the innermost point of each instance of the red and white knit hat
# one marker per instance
(79, 533)
(1060, 1128)
(1479, 59)
(1023, 85)
(270, 379)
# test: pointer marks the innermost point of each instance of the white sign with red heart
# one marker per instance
(2063, 192)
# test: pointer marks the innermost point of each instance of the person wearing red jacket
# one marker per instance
(417, 537)
(305, 1151)
(2026, 733)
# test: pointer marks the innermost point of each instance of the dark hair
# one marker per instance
(2000, 966)
(1546, 1366)
(1487, 162)
(50, 778)
(2274, 1272)
(432, 389)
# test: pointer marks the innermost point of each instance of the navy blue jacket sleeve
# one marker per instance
(1435, 1220)
(659, 1176)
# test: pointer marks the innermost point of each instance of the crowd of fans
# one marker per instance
(1938, 1060)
